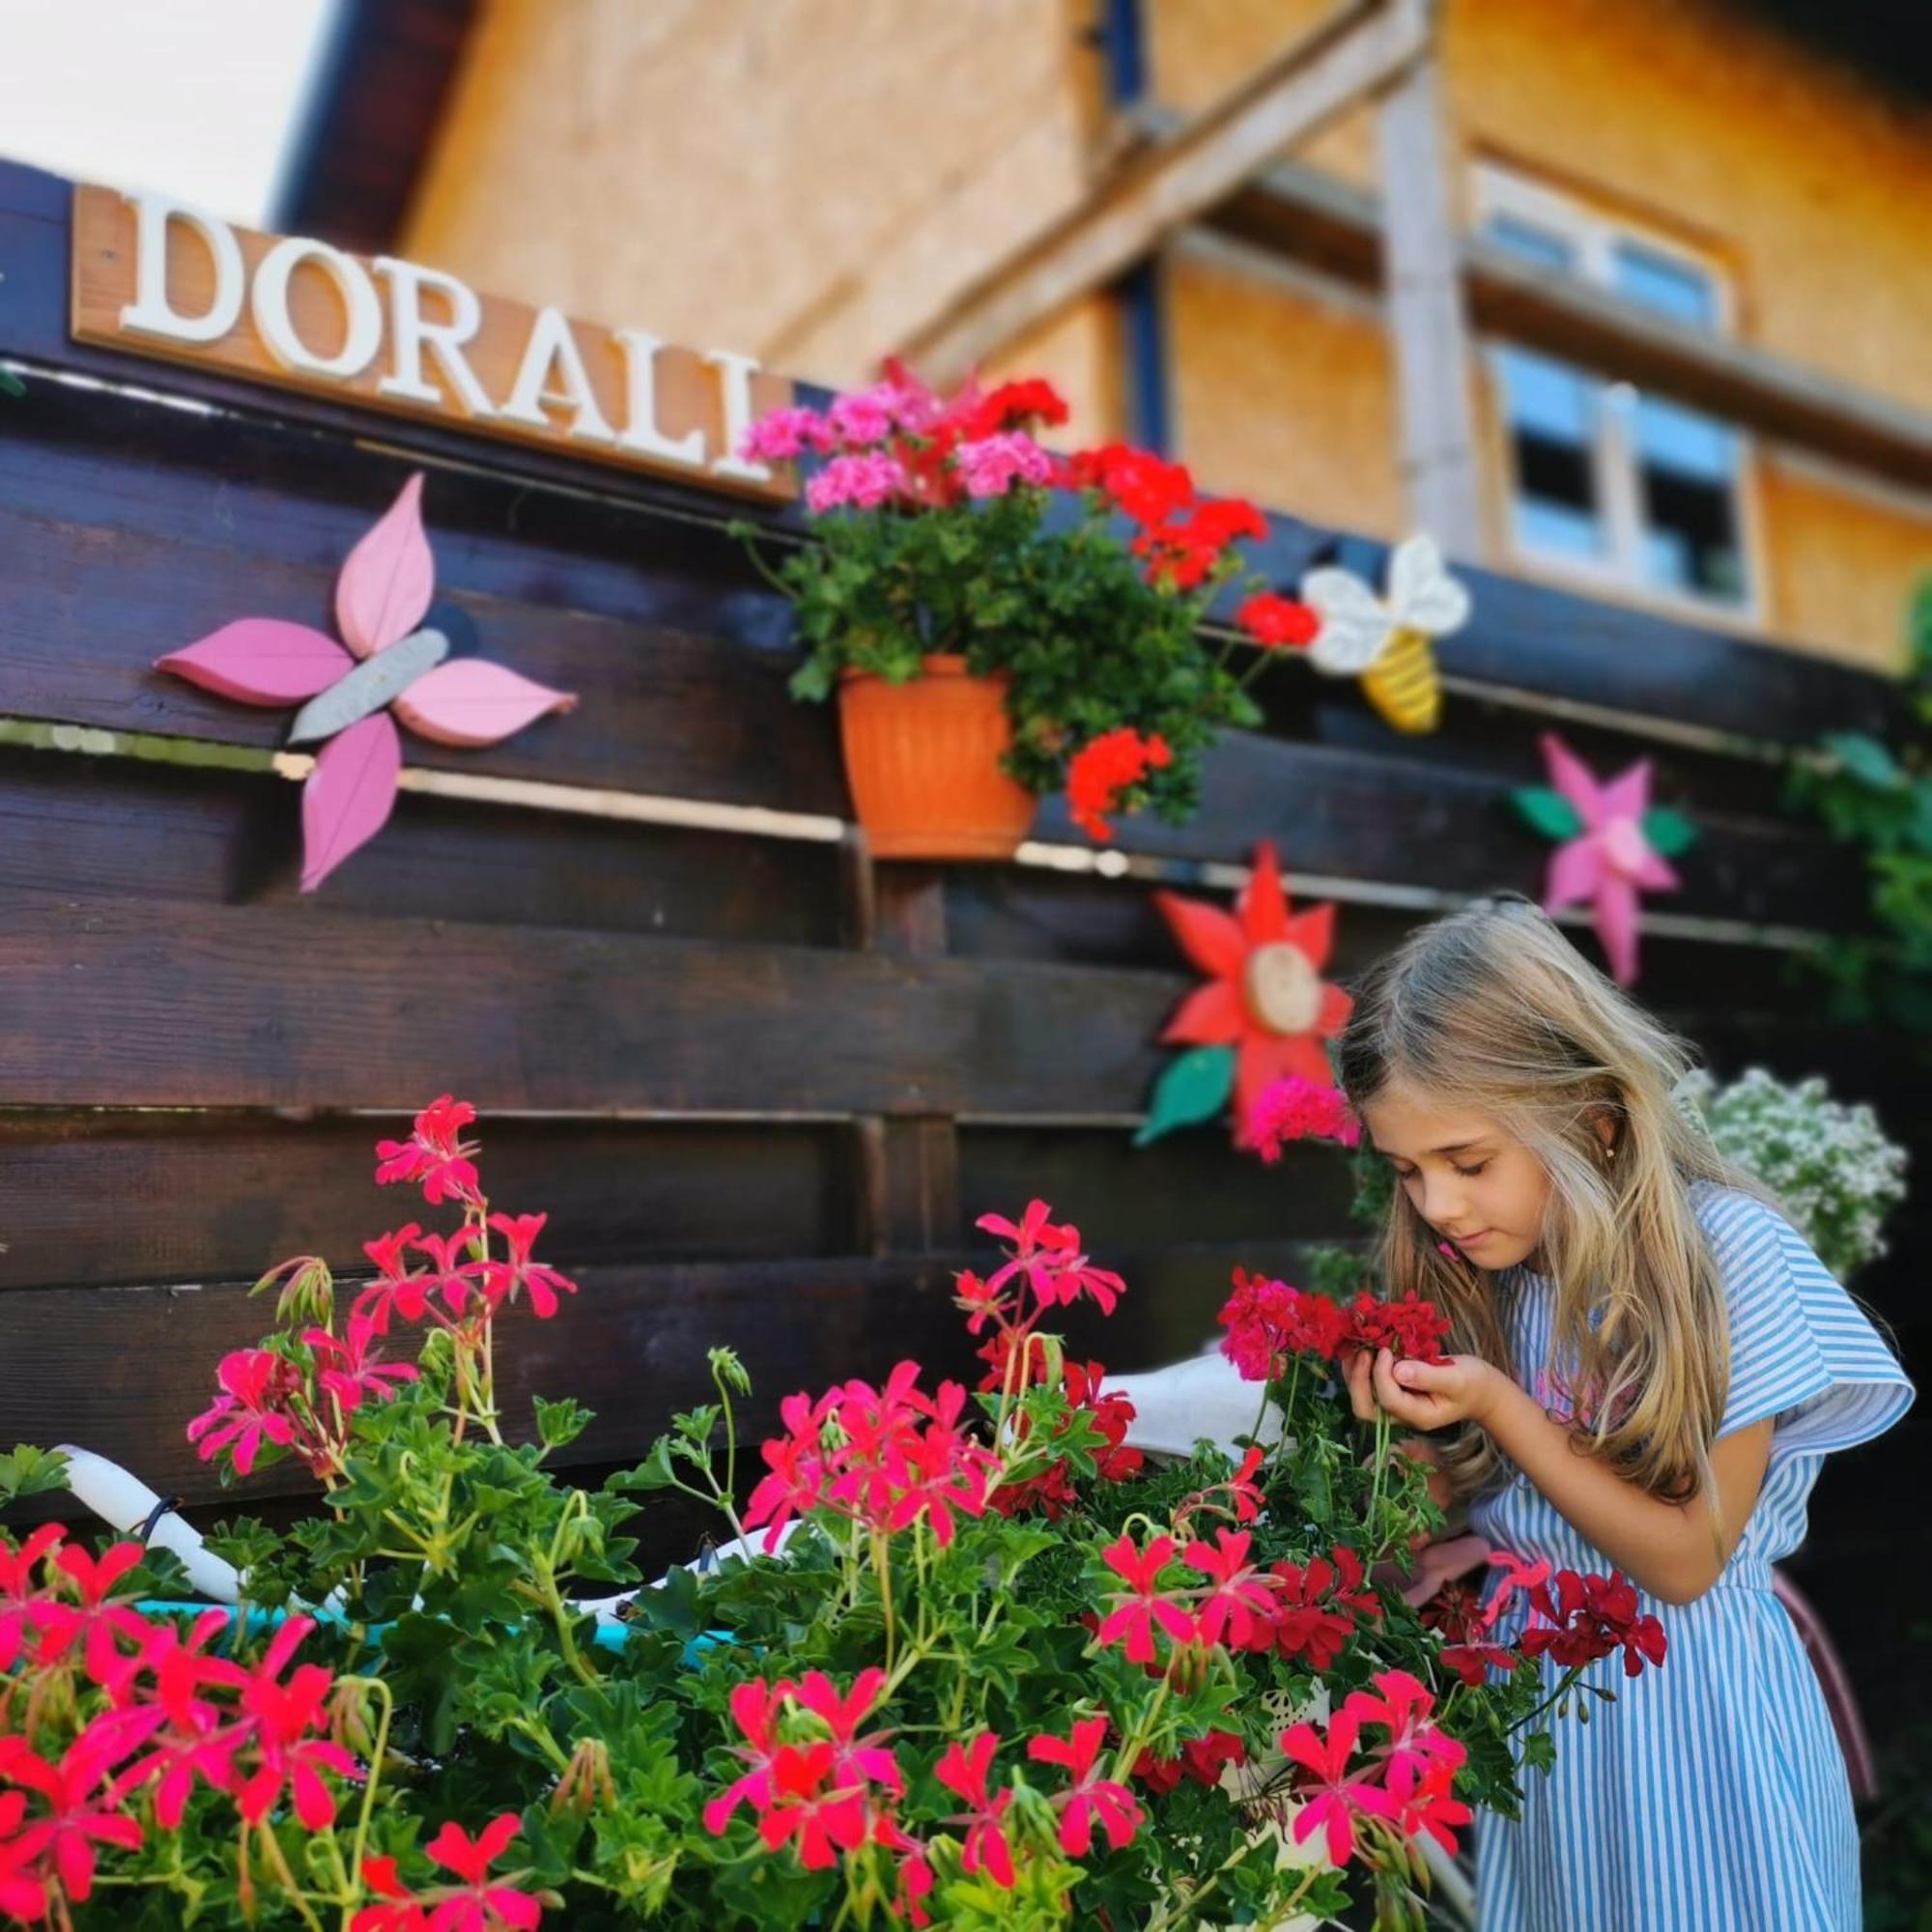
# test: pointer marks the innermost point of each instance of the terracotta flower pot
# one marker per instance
(923, 759)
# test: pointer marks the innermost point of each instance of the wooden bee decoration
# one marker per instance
(1390, 643)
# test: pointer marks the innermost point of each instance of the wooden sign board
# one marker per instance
(157, 277)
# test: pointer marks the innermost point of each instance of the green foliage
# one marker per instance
(27, 1471)
(1877, 797)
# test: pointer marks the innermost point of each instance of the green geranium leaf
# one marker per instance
(1194, 1087)
(1548, 812)
(27, 1471)
(1669, 832)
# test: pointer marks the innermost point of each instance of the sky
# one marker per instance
(200, 98)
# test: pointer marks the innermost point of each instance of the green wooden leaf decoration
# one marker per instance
(1194, 1086)
(1864, 758)
(11, 385)
(1668, 831)
(1548, 812)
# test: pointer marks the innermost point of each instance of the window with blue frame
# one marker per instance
(1602, 477)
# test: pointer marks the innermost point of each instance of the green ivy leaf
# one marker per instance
(1669, 832)
(28, 1471)
(1548, 812)
(1193, 1087)
(559, 1422)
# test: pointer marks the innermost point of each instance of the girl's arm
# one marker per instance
(1674, 1551)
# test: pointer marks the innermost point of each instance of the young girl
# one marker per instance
(1653, 1367)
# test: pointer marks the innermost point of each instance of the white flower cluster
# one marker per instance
(1831, 1165)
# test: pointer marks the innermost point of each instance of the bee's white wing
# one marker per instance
(1422, 594)
(1354, 621)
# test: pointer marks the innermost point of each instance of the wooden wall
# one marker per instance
(762, 1085)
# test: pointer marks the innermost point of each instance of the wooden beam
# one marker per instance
(1363, 48)
(1296, 211)
(1428, 328)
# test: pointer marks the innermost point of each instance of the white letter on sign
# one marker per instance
(552, 344)
(641, 429)
(412, 333)
(734, 382)
(151, 313)
(362, 313)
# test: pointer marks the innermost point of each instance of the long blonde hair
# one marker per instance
(1494, 1011)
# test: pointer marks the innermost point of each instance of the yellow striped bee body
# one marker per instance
(1388, 643)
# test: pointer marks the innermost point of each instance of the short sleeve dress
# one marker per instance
(1711, 1797)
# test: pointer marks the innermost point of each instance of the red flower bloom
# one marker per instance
(22, 1894)
(520, 1273)
(1319, 1606)
(1242, 1599)
(256, 1385)
(857, 1759)
(963, 1769)
(287, 1758)
(23, 1601)
(1012, 406)
(98, 1623)
(1265, 996)
(60, 1843)
(1277, 622)
(1104, 769)
(1267, 1322)
(434, 1155)
(826, 1819)
(1144, 1604)
(1411, 1326)
(480, 1904)
(1297, 1109)
(1334, 1796)
(754, 1709)
(352, 1374)
(192, 1737)
(1091, 1798)
(398, 1286)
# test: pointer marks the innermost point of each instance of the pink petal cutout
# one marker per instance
(1573, 778)
(1576, 872)
(388, 579)
(1616, 927)
(471, 701)
(261, 661)
(1628, 794)
(349, 795)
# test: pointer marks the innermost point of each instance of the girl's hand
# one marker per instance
(1427, 1395)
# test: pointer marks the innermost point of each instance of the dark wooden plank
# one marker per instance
(116, 1002)
(119, 826)
(109, 1198)
(122, 1370)
(1357, 814)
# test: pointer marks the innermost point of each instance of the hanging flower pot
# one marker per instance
(924, 762)
(1002, 623)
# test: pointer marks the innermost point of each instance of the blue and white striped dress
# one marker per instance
(1712, 1795)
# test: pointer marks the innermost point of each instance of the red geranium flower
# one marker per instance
(1092, 1798)
(435, 1154)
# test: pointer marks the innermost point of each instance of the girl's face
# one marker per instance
(1475, 1186)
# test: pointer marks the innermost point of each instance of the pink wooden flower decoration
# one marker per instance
(1611, 859)
(347, 693)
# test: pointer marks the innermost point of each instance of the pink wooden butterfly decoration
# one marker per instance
(347, 691)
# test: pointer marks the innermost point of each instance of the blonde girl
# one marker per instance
(1651, 1366)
